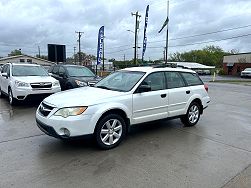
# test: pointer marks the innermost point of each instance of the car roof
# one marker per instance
(149, 69)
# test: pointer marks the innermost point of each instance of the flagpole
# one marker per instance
(167, 32)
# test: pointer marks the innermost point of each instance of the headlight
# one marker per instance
(56, 83)
(80, 83)
(21, 84)
(65, 112)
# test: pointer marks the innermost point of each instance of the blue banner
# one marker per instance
(145, 38)
(100, 44)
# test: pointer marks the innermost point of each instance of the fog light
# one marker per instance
(64, 132)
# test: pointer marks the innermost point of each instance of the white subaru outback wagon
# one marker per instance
(124, 98)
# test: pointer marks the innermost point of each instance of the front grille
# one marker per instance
(45, 109)
(41, 85)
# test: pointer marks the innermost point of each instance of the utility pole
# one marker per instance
(79, 48)
(38, 51)
(167, 32)
(164, 53)
(137, 16)
(74, 48)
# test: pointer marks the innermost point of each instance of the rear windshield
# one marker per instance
(192, 78)
(22, 70)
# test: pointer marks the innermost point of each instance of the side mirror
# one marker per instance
(4, 74)
(144, 88)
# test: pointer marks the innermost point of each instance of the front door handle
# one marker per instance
(188, 92)
(163, 95)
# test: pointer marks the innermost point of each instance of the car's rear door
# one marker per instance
(179, 93)
(151, 105)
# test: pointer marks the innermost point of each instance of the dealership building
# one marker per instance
(234, 64)
(25, 59)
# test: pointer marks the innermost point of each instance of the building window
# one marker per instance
(29, 60)
(22, 60)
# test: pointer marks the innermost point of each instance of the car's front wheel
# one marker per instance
(192, 116)
(110, 131)
(1, 93)
(12, 100)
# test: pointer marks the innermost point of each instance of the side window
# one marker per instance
(51, 68)
(55, 70)
(4, 68)
(174, 80)
(61, 71)
(156, 81)
(192, 79)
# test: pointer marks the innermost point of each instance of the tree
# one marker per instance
(210, 55)
(42, 57)
(15, 52)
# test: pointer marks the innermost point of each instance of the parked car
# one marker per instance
(246, 73)
(20, 81)
(124, 98)
(203, 72)
(73, 76)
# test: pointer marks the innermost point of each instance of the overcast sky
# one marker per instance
(28, 24)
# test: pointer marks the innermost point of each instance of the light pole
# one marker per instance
(135, 46)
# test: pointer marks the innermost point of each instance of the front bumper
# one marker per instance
(76, 126)
(23, 93)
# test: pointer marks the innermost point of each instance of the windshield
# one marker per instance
(79, 72)
(120, 81)
(22, 70)
(247, 69)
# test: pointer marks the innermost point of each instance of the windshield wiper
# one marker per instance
(103, 87)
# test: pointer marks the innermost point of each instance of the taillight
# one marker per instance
(206, 87)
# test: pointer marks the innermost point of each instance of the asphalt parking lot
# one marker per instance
(216, 153)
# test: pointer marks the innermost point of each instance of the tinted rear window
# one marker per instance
(192, 79)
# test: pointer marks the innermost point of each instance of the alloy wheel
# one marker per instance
(193, 114)
(111, 132)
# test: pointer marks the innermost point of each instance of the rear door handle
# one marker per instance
(188, 92)
(163, 95)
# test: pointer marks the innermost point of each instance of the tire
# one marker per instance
(192, 116)
(1, 93)
(110, 131)
(12, 100)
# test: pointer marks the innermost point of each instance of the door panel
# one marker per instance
(151, 105)
(179, 94)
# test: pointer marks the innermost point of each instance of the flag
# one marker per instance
(100, 44)
(164, 24)
(145, 38)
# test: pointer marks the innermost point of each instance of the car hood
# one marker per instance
(35, 79)
(86, 79)
(84, 96)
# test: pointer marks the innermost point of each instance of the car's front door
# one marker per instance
(151, 105)
(62, 77)
(179, 94)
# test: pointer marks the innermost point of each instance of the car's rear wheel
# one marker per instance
(12, 100)
(110, 131)
(192, 116)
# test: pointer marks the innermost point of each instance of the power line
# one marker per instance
(189, 44)
(202, 34)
